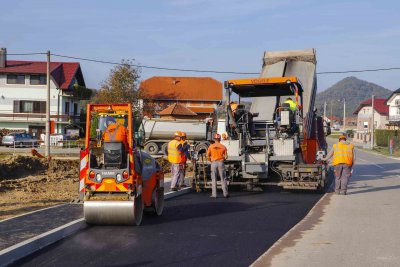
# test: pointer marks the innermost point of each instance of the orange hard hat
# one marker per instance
(217, 136)
(342, 137)
(178, 133)
(183, 134)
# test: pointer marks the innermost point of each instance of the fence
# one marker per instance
(57, 147)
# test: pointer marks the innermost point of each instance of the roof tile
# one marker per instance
(182, 88)
(177, 109)
(62, 72)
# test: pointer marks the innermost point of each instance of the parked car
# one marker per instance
(19, 139)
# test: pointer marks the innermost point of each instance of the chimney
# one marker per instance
(3, 57)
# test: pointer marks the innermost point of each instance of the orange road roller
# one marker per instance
(117, 180)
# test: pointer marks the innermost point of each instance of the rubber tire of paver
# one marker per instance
(151, 148)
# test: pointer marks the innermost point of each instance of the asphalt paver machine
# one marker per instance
(273, 143)
(118, 183)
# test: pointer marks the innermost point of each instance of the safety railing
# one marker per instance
(59, 148)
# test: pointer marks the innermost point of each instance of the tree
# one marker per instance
(121, 86)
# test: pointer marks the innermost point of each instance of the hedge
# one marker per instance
(382, 136)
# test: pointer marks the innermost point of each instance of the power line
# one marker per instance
(354, 71)
(197, 70)
(153, 67)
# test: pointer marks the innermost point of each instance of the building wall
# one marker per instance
(21, 121)
(394, 109)
(365, 115)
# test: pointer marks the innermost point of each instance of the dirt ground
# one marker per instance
(28, 183)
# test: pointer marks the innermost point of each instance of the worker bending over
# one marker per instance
(343, 161)
(115, 132)
(217, 154)
(175, 157)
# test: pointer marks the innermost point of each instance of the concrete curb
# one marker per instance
(20, 250)
(23, 249)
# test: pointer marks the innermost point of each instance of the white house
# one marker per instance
(394, 108)
(23, 94)
(364, 118)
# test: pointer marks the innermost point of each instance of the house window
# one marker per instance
(37, 79)
(23, 106)
(67, 108)
(75, 108)
(16, 78)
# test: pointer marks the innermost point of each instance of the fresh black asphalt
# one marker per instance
(194, 230)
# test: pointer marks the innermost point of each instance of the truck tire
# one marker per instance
(151, 148)
(164, 148)
(200, 147)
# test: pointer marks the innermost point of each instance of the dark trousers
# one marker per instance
(342, 175)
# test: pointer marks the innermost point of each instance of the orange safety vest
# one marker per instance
(343, 154)
(118, 133)
(174, 155)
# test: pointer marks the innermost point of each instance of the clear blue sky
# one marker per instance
(225, 35)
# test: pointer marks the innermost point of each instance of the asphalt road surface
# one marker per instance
(194, 230)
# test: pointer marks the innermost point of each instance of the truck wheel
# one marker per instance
(201, 146)
(164, 148)
(158, 201)
(151, 148)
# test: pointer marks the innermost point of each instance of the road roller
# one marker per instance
(119, 180)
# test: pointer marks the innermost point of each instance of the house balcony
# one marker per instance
(6, 116)
(364, 116)
(394, 118)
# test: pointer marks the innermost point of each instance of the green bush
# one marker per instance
(382, 136)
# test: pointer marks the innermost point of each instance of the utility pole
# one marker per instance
(47, 141)
(344, 114)
(325, 110)
(373, 122)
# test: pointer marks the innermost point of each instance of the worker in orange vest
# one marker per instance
(175, 157)
(343, 161)
(217, 154)
(185, 157)
(115, 132)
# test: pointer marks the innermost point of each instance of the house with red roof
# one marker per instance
(201, 95)
(23, 94)
(393, 102)
(364, 117)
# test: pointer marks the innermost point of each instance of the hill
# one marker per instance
(353, 90)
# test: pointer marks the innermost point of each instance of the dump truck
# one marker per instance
(273, 143)
(158, 132)
(117, 182)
